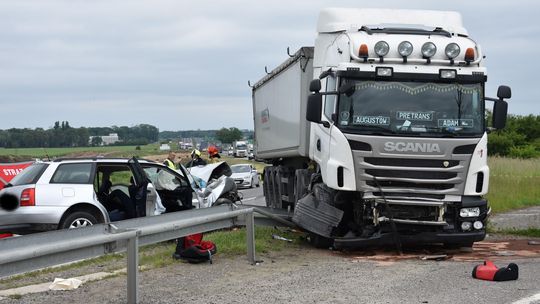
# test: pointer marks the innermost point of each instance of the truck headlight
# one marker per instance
(478, 225)
(466, 226)
(469, 212)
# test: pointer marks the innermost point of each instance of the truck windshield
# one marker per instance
(411, 108)
(241, 147)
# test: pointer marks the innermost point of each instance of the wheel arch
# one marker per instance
(86, 207)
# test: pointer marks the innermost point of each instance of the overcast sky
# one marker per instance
(185, 64)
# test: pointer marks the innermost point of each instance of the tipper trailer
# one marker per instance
(377, 134)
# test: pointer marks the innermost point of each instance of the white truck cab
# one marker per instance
(393, 135)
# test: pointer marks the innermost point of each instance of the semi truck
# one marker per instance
(378, 134)
(240, 148)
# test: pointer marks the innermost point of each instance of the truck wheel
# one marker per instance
(319, 241)
(78, 219)
(269, 184)
(301, 183)
(266, 182)
(274, 188)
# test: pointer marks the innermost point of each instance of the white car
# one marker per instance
(245, 175)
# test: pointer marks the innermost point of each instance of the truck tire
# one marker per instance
(78, 219)
(267, 186)
(276, 197)
(301, 184)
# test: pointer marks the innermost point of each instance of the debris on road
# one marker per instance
(277, 237)
(533, 243)
(436, 257)
(489, 272)
(65, 284)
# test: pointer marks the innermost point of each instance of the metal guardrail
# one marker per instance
(36, 251)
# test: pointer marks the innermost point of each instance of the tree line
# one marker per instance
(520, 138)
(63, 135)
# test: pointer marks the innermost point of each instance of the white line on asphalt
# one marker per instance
(248, 199)
(529, 300)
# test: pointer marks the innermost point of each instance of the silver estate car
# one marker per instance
(71, 193)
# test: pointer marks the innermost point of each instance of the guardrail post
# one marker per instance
(250, 237)
(133, 269)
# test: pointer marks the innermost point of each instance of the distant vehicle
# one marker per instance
(9, 170)
(71, 193)
(245, 175)
(230, 152)
(240, 148)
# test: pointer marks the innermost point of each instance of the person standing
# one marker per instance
(169, 161)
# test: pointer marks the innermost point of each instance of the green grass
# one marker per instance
(228, 242)
(514, 183)
(114, 151)
(529, 232)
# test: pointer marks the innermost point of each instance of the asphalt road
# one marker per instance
(307, 275)
(253, 196)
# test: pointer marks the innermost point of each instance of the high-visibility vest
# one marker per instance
(170, 164)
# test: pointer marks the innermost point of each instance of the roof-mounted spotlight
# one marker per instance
(429, 49)
(452, 50)
(405, 49)
(381, 49)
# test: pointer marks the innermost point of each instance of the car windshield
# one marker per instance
(411, 108)
(29, 175)
(240, 169)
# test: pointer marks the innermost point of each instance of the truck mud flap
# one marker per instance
(315, 216)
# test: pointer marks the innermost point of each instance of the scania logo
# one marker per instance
(411, 147)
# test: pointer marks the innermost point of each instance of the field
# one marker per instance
(112, 151)
(514, 183)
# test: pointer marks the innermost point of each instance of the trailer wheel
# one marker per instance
(276, 180)
(269, 182)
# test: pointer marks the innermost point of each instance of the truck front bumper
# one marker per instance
(419, 238)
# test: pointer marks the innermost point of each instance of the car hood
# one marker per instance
(240, 175)
(210, 171)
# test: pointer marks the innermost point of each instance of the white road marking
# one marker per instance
(248, 199)
(529, 300)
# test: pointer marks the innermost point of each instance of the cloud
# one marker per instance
(185, 64)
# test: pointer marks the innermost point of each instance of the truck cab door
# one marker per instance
(321, 135)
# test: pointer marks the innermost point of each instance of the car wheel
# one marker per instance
(78, 219)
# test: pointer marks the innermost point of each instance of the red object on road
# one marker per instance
(9, 170)
(489, 272)
(5, 235)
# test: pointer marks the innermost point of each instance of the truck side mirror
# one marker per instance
(504, 92)
(500, 110)
(314, 107)
(347, 89)
(315, 85)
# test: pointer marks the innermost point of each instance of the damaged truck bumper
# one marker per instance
(419, 238)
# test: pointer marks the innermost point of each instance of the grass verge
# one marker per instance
(513, 183)
(530, 232)
(228, 242)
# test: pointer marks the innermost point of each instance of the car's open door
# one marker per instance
(143, 193)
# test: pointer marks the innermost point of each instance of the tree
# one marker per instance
(229, 135)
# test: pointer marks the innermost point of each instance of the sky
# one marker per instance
(183, 65)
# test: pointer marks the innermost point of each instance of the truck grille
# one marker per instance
(408, 177)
